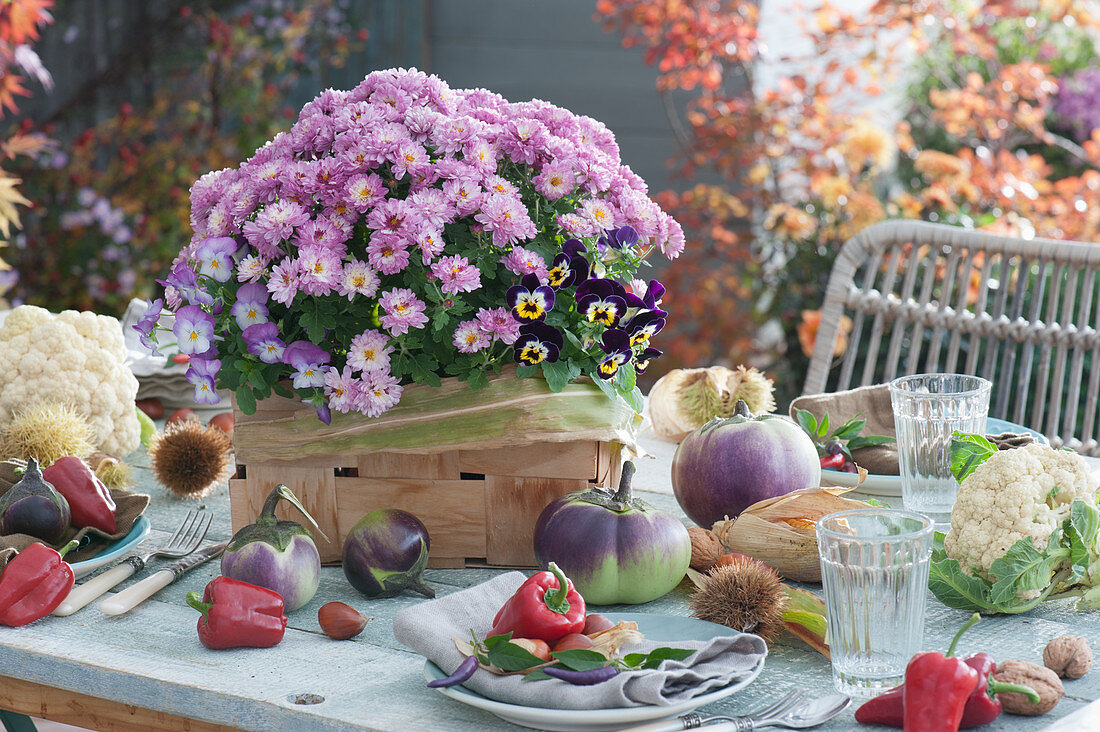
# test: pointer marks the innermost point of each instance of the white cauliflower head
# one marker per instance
(71, 358)
(1022, 493)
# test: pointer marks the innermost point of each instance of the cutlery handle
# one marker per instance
(134, 595)
(665, 725)
(89, 590)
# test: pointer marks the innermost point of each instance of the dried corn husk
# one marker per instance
(782, 531)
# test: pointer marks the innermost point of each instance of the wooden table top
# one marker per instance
(151, 658)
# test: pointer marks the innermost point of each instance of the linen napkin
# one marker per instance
(873, 404)
(429, 628)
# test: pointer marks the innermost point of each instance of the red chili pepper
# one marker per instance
(90, 502)
(545, 606)
(836, 462)
(982, 707)
(34, 583)
(236, 614)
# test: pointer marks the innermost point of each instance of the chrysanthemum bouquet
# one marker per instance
(405, 231)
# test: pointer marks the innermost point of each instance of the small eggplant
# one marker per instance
(278, 555)
(32, 506)
(385, 554)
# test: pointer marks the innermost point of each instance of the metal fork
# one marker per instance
(191, 531)
(694, 721)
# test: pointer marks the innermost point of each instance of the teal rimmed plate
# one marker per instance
(115, 549)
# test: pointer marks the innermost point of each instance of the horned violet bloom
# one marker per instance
(404, 232)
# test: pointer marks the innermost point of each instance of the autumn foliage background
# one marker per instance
(999, 113)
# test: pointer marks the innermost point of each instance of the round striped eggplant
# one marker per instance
(729, 464)
(615, 548)
(386, 552)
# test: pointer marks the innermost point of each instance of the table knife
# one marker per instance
(137, 593)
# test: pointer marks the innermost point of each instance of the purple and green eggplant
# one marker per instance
(32, 506)
(386, 552)
(616, 548)
(729, 464)
(278, 555)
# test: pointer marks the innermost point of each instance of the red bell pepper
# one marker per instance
(237, 614)
(34, 583)
(982, 707)
(546, 606)
(90, 502)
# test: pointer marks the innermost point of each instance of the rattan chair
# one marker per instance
(922, 297)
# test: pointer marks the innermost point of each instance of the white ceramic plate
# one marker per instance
(662, 628)
(890, 485)
(115, 549)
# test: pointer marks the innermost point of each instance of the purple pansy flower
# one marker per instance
(641, 361)
(573, 247)
(148, 321)
(323, 413)
(601, 301)
(529, 300)
(616, 344)
(568, 268)
(537, 342)
(654, 291)
(625, 236)
(194, 329)
(201, 373)
(251, 305)
(263, 341)
(644, 326)
(309, 363)
(186, 282)
(215, 257)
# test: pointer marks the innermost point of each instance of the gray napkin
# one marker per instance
(429, 628)
(873, 403)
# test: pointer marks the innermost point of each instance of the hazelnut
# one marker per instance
(1069, 656)
(1040, 678)
(705, 549)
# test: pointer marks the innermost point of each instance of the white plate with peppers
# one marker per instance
(662, 628)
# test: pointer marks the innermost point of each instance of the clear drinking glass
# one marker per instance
(927, 409)
(874, 568)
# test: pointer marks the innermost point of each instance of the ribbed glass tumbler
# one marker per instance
(874, 568)
(927, 409)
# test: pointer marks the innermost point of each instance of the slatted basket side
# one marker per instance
(479, 506)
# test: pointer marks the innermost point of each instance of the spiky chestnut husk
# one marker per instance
(114, 473)
(746, 595)
(190, 460)
(752, 387)
(47, 432)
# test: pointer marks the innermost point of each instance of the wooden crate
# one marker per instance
(480, 506)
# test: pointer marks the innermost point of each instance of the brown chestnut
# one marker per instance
(573, 641)
(340, 621)
(596, 623)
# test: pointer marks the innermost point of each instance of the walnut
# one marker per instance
(705, 549)
(1069, 656)
(1040, 678)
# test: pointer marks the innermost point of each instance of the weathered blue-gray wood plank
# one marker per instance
(152, 656)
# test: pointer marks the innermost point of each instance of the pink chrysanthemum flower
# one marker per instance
(378, 393)
(364, 191)
(499, 323)
(342, 390)
(672, 246)
(283, 284)
(481, 155)
(387, 254)
(357, 278)
(496, 184)
(555, 180)
(574, 225)
(409, 158)
(456, 274)
(403, 310)
(599, 213)
(251, 268)
(507, 219)
(470, 338)
(430, 207)
(319, 269)
(370, 351)
(464, 193)
(273, 224)
(524, 261)
(430, 242)
(323, 232)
